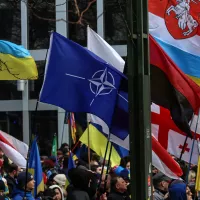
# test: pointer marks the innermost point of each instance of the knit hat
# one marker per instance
(21, 179)
(125, 174)
(60, 179)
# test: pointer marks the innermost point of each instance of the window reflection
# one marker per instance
(45, 126)
(78, 32)
(115, 28)
(10, 21)
(36, 85)
(11, 123)
(41, 23)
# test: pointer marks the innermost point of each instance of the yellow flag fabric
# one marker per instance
(197, 187)
(98, 144)
(16, 63)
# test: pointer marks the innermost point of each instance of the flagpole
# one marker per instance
(139, 95)
(69, 130)
(194, 138)
(28, 154)
(182, 151)
(111, 146)
(197, 179)
(104, 160)
(34, 131)
(88, 132)
(63, 127)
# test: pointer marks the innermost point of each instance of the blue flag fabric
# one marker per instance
(71, 163)
(35, 167)
(79, 81)
(120, 123)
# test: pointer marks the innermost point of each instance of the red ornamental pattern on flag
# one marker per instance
(170, 136)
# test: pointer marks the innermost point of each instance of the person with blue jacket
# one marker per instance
(19, 192)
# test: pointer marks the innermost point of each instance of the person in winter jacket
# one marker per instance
(19, 192)
(13, 172)
(84, 184)
(118, 189)
(179, 191)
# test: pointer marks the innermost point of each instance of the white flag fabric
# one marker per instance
(101, 48)
(20, 146)
(14, 149)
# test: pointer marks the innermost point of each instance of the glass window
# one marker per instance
(115, 28)
(78, 31)
(46, 126)
(11, 123)
(41, 23)
(10, 21)
(9, 91)
(35, 86)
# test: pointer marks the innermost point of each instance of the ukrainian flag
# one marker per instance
(98, 143)
(35, 168)
(71, 165)
(16, 62)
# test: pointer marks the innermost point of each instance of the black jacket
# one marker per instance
(78, 195)
(11, 184)
(118, 196)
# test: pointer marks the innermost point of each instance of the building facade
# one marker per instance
(30, 23)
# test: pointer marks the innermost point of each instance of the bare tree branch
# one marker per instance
(79, 13)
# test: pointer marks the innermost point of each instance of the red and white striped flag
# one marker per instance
(14, 149)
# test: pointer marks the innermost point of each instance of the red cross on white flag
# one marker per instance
(170, 137)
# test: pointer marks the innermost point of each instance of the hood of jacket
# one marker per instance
(53, 187)
(177, 191)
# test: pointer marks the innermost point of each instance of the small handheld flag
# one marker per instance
(35, 168)
(54, 146)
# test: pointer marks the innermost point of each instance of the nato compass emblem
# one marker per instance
(101, 83)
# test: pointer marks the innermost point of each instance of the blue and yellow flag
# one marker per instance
(71, 165)
(98, 144)
(16, 63)
(35, 168)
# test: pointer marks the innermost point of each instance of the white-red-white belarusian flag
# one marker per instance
(14, 149)
(171, 137)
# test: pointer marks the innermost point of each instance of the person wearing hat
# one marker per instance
(24, 182)
(60, 180)
(161, 184)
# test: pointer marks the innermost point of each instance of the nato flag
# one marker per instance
(79, 81)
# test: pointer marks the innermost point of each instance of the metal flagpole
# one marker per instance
(139, 99)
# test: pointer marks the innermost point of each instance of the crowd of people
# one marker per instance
(87, 182)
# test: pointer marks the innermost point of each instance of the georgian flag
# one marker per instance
(172, 138)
